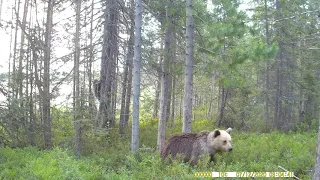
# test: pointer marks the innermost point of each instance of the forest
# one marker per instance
(93, 89)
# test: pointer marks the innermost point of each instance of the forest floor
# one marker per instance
(110, 158)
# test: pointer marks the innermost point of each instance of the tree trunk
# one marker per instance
(136, 70)
(169, 76)
(181, 107)
(163, 110)
(211, 110)
(28, 113)
(156, 97)
(158, 87)
(281, 84)
(188, 86)
(46, 77)
(301, 105)
(14, 75)
(91, 100)
(114, 90)
(128, 93)
(22, 52)
(316, 170)
(218, 102)
(108, 59)
(31, 101)
(165, 78)
(267, 71)
(126, 76)
(173, 99)
(130, 66)
(34, 79)
(9, 84)
(76, 84)
(123, 96)
(194, 105)
(173, 76)
(224, 96)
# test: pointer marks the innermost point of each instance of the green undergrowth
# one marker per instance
(110, 158)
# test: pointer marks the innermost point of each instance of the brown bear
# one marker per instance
(192, 145)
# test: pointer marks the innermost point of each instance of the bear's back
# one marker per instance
(181, 144)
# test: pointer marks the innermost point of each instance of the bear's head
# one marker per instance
(220, 140)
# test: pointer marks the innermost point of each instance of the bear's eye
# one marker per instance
(225, 141)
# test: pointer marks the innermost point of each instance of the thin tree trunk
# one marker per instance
(301, 105)
(224, 94)
(267, 71)
(211, 111)
(301, 92)
(194, 105)
(136, 70)
(316, 173)
(46, 77)
(219, 101)
(11, 78)
(29, 83)
(277, 98)
(114, 91)
(173, 98)
(181, 107)
(34, 78)
(92, 106)
(316, 170)
(22, 52)
(115, 69)
(156, 97)
(128, 95)
(173, 76)
(158, 88)
(168, 101)
(123, 97)
(10, 56)
(130, 66)
(188, 87)
(163, 110)
(27, 99)
(165, 78)
(278, 109)
(14, 75)
(76, 84)
(126, 76)
(31, 101)
(108, 59)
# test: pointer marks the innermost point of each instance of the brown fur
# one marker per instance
(180, 144)
(192, 145)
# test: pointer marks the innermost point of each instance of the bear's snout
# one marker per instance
(230, 149)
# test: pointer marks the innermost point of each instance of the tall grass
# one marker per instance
(110, 157)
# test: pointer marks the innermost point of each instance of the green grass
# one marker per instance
(30, 163)
(110, 157)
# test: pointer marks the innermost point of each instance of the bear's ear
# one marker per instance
(229, 130)
(216, 133)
